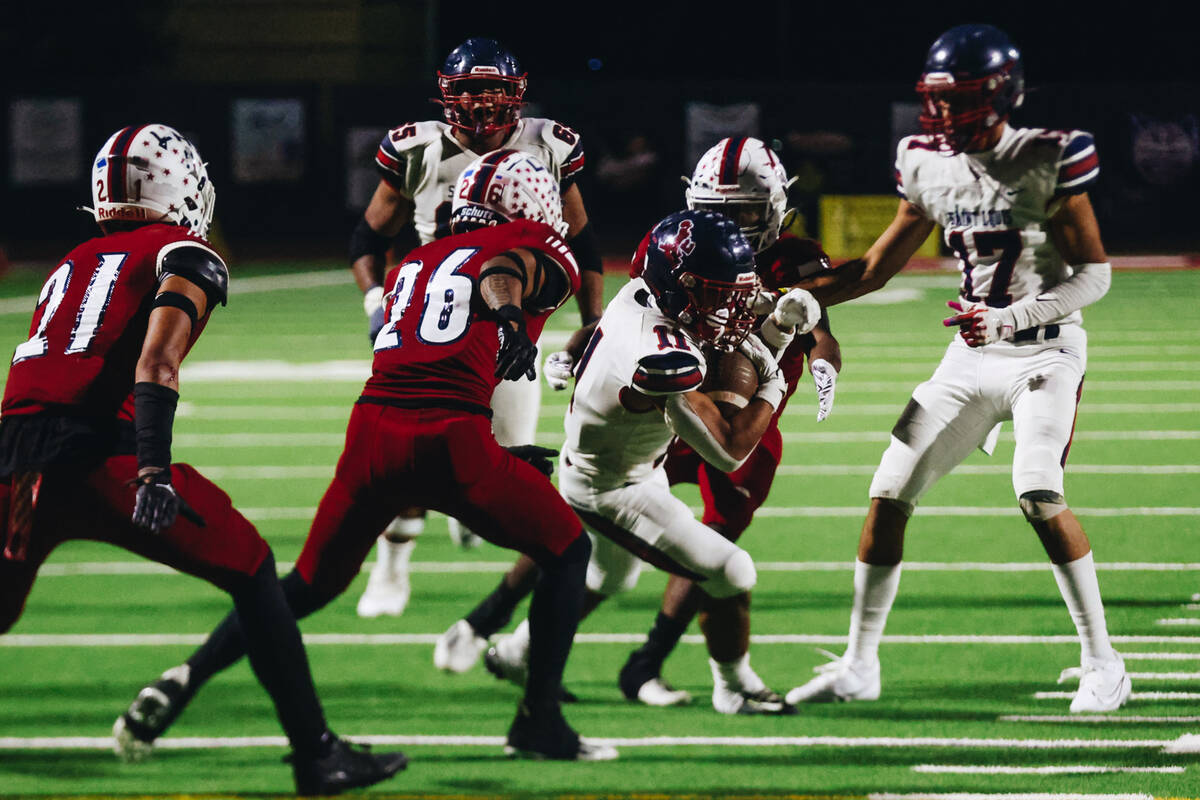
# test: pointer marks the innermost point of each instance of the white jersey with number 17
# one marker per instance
(993, 206)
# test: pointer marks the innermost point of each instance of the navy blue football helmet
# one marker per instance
(483, 87)
(700, 269)
(973, 80)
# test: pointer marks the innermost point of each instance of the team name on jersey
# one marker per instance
(981, 217)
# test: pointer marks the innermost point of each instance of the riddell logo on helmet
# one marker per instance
(123, 212)
(680, 245)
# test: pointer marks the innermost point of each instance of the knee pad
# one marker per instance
(1042, 505)
(578, 551)
(738, 575)
(904, 508)
(302, 597)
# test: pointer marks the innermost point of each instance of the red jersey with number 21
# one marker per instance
(437, 342)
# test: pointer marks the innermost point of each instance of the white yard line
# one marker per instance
(1134, 696)
(204, 742)
(284, 472)
(69, 569)
(1186, 622)
(1161, 656)
(1064, 769)
(1094, 719)
(389, 639)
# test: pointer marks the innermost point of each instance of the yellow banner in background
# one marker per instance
(850, 223)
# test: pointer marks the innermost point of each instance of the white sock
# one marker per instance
(405, 528)
(394, 556)
(1081, 591)
(515, 648)
(736, 675)
(875, 590)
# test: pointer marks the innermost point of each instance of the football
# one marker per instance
(731, 380)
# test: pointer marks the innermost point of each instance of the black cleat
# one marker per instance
(641, 681)
(151, 713)
(548, 736)
(516, 673)
(344, 766)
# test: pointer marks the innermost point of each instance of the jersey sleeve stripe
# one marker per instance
(654, 383)
(389, 162)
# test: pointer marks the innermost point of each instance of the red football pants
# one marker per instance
(98, 505)
(445, 460)
(730, 499)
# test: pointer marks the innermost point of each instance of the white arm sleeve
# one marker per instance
(1089, 283)
(689, 427)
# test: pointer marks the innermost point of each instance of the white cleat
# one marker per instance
(763, 701)
(459, 648)
(461, 535)
(839, 681)
(387, 591)
(1104, 686)
(657, 692)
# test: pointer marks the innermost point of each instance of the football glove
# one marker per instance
(557, 370)
(517, 355)
(798, 309)
(764, 302)
(373, 306)
(825, 377)
(771, 384)
(158, 504)
(978, 324)
(537, 457)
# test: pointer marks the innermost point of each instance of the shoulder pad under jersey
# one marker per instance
(199, 264)
(400, 153)
(564, 145)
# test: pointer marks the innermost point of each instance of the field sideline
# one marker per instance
(972, 704)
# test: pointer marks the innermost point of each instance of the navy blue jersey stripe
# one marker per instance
(674, 360)
(658, 383)
(729, 161)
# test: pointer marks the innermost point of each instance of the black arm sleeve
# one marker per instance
(202, 267)
(154, 416)
(587, 249)
(365, 241)
(555, 286)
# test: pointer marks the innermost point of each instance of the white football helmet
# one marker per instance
(151, 173)
(506, 185)
(743, 179)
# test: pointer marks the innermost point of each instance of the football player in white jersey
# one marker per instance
(636, 388)
(1014, 206)
(482, 87)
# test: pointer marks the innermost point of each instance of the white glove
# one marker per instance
(798, 309)
(771, 384)
(557, 370)
(764, 302)
(825, 377)
(979, 325)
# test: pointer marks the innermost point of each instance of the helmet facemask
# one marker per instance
(961, 114)
(719, 313)
(481, 104)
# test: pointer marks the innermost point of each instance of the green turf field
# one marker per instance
(974, 645)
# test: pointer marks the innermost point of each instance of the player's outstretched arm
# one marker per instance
(886, 257)
(511, 282)
(590, 297)
(180, 303)
(387, 213)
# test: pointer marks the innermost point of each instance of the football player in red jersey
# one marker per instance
(85, 441)
(462, 314)
(482, 89)
(742, 178)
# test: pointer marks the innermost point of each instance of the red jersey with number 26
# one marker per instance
(437, 343)
(90, 323)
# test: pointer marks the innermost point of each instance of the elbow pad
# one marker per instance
(690, 428)
(365, 241)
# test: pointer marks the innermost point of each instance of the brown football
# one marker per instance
(730, 381)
